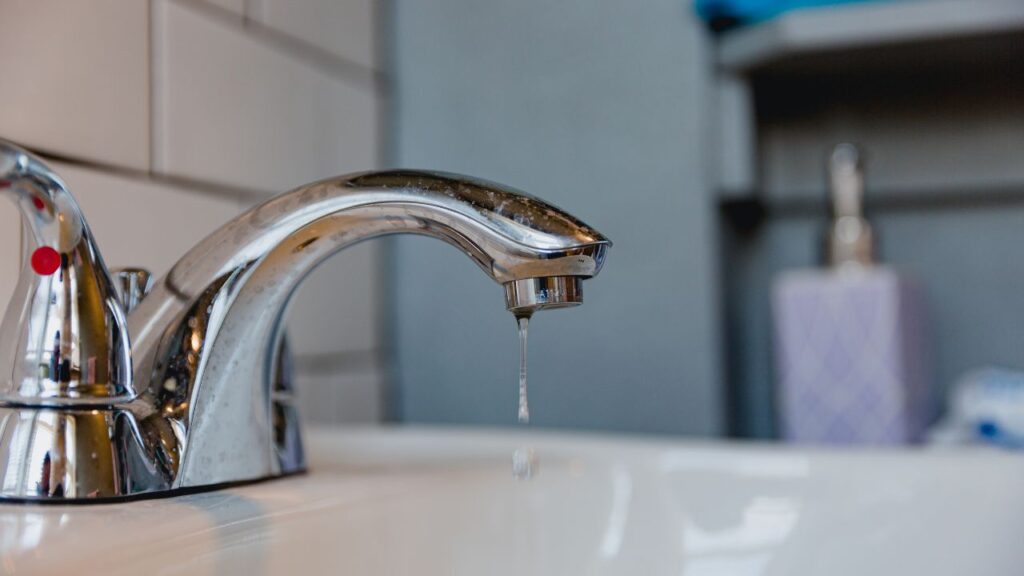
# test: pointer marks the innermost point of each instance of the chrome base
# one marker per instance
(54, 455)
(158, 494)
(58, 455)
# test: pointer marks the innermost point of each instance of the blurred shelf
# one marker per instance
(746, 212)
(878, 34)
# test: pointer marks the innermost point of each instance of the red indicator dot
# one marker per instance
(45, 260)
(38, 203)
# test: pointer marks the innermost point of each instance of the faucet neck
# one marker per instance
(211, 327)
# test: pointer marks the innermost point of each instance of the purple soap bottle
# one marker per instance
(850, 338)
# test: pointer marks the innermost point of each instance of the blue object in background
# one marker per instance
(724, 14)
(992, 433)
(985, 407)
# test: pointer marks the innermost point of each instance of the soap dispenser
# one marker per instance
(850, 338)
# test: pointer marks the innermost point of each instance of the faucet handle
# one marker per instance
(132, 286)
(64, 337)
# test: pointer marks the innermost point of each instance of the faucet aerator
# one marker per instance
(526, 296)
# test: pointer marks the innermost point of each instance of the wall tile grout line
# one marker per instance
(383, 56)
(156, 124)
(892, 201)
(188, 185)
(372, 79)
(336, 66)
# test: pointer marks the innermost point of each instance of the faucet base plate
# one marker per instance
(75, 456)
(186, 491)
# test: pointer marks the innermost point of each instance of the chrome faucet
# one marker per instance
(108, 392)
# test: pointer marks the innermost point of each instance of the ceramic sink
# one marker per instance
(430, 501)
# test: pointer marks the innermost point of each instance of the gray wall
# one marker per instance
(595, 106)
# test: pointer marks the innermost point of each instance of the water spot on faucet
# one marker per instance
(522, 219)
(304, 244)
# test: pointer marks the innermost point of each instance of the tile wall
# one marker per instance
(167, 118)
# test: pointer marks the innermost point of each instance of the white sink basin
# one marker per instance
(434, 501)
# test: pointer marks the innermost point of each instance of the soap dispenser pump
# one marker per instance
(850, 240)
(850, 338)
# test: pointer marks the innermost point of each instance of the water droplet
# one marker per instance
(524, 464)
(524, 403)
(524, 460)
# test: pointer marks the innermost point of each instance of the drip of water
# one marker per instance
(524, 460)
(524, 403)
(524, 463)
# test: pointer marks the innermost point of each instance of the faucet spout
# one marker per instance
(206, 337)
